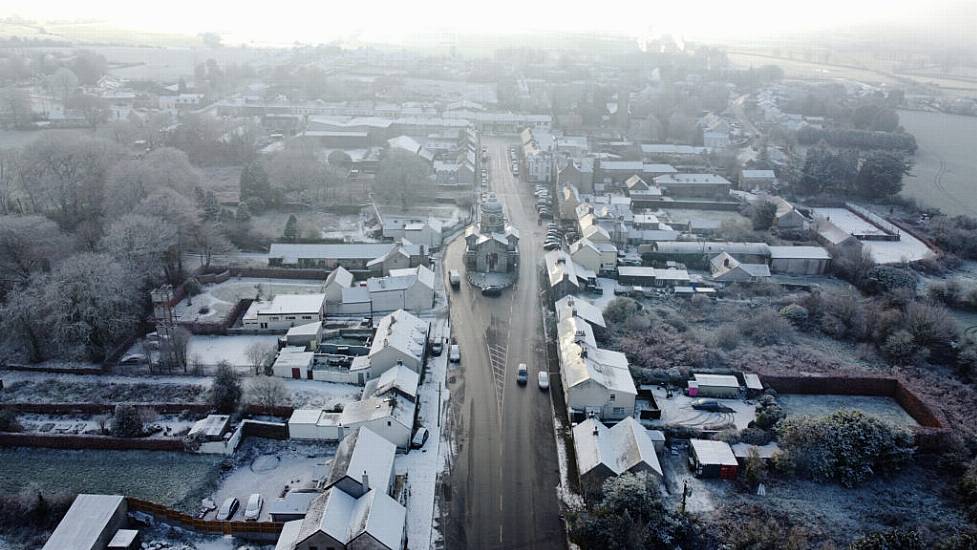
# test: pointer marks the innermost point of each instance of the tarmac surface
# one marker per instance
(501, 490)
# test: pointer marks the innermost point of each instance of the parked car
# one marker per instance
(454, 277)
(543, 380)
(253, 510)
(492, 291)
(710, 405)
(522, 375)
(228, 509)
(133, 359)
(420, 438)
(454, 354)
(437, 347)
(551, 246)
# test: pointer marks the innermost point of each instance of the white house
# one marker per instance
(284, 312)
(570, 306)
(399, 380)
(595, 381)
(363, 461)
(337, 520)
(400, 339)
(411, 289)
(598, 257)
(337, 280)
(293, 362)
(391, 416)
(604, 452)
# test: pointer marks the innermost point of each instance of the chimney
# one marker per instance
(366, 482)
(596, 432)
(725, 262)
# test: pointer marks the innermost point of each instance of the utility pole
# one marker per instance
(165, 327)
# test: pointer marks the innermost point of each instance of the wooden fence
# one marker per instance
(268, 530)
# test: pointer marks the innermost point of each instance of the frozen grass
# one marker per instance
(53, 390)
(882, 407)
(172, 479)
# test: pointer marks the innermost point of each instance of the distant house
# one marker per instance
(389, 416)
(799, 260)
(757, 179)
(398, 380)
(578, 173)
(411, 289)
(694, 185)
(598, 257)
(90, 524)
(337, 280)
(595, 381)
(727, 269)
(409, 144)
(284, 311)
(562, 274)
(604, 452)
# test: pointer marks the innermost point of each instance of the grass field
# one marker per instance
(162, 477)
(945, 163)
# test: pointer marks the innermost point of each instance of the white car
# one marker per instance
(253, 509)
(454, 354)
(544, 380)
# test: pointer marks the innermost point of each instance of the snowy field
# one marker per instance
(422, 466)
(216, 300)
(879, 406)
(907, 248)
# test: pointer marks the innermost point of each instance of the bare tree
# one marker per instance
(62, 83)
(266, 391)
(207, 240)
(259, 354)
(142, 244)
(174, 352)
(94, 109)
(28, 245)
(132, 181)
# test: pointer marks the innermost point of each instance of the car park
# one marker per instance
(228, 509)
(522, 375)
(253, 510)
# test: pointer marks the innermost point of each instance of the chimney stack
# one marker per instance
(366, 482)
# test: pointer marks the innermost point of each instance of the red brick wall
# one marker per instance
(87, 442)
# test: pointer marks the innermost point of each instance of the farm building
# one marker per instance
(604, 452)
(712, 459)
(90, 524)
(314, 424)
(293, 362)
(652, 276)
(766, 452)
(799, 260)
(724, 386)
(284, 312)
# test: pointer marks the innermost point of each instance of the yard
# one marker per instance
(171, 479)
(216, 300)
(883, 407)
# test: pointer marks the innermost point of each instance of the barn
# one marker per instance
(712, 459)
(724, 386)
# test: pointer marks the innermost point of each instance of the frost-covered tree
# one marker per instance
(131, 181)
(266, 391)
(126, 421)
(225, 393)
(28, 245)
(89, 303)
(142, 245)
(207, 240)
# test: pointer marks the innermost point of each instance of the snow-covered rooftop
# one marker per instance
(619, 448)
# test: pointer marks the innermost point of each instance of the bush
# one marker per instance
(883, 279)
(727, 337)
(763, 215)
(795, 313)
(127, 421)
(9, 422)
(766, 328)
(768, 413)
(900, 347)
(754, 435)
(847, 446)
(932, 327)
(889, 540)
(32, 508)
(621, 309)
(266, 391)
(192, 286)
(225, 393)
(968, 490)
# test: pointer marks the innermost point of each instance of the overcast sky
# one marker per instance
(285, 21)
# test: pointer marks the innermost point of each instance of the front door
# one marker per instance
(296, 373)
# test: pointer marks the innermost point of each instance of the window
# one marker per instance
(290, 318)
(307, 317)
(389, 424)
(613, 396)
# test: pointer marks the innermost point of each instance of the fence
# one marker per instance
(162, 408)
(57, 441)
(266, 530)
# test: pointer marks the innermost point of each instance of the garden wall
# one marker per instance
(52, 441)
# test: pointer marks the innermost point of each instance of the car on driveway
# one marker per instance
(253, 510)
(710, 405)
(228, 509)
(543, 379)
(522, 375)
(420, 438)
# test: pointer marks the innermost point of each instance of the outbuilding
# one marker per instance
(712, 459)
(90, 524)
(314, 424)
(724, 386)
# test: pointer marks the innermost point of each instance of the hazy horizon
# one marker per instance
(943, 21)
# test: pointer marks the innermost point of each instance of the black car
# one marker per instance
(492, 291)
(710, 406)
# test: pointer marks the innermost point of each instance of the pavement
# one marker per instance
(501, 484)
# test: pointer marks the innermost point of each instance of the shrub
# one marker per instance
(883, 279)
(126, 421)
(727, 337)
(768, 413)
(931, 326)
(754, 470)
(9, 422)
(889, 540)
(225, 393)
(192, 286)
(900, 347)
(795, 313)
(266, 391)
(754, 435)
(766, 328)
(847, 446)
(763, 215)
(968, 490)
(32, 508)
(621, 309)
